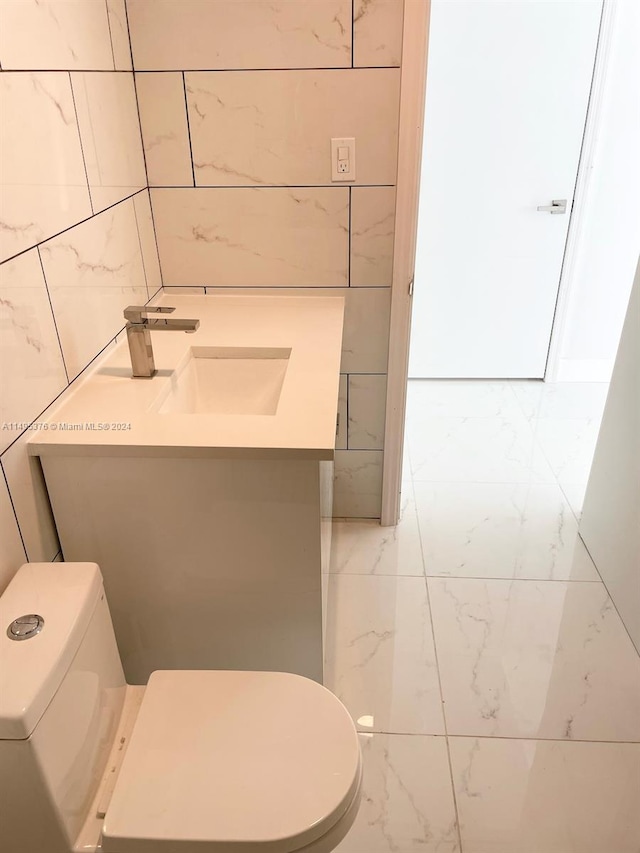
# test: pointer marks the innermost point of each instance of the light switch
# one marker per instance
(343, 159)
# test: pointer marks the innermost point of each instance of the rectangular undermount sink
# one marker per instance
(227, 380)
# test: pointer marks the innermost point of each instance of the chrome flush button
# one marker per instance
(25, 627)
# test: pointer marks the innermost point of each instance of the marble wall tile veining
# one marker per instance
(253, 236)
(366, 330)
(377, 32)
(343, 418)
(380, 658)
(148, 246)
(119, 35)
(500, 530)
(31, 367)
(367, 406)
(523, 795)
(163, 117)
(12, 554)
(364, 547)
(31, 501)
(407, 801)
(275, 127)
(93, 272)
(110, 133)
(357, 489)
(55, 35)
(44, 187)
(535, 659)
(189, 34)
(372, 231)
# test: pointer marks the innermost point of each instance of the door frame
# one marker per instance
(413, 81)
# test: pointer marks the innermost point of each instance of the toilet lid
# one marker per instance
(260, 760)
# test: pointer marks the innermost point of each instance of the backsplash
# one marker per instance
(238, 104)
(77, 241)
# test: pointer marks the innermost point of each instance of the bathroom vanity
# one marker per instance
(204, 493)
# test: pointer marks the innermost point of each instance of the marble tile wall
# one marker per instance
(77, 241)
(238, 103)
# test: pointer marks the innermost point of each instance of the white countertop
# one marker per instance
(304, 425)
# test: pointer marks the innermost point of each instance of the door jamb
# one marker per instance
(413, 77)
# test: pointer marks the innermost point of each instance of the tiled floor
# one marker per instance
(495, 688)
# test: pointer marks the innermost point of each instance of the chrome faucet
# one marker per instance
(139, 324)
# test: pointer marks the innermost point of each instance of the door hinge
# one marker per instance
(411, 286)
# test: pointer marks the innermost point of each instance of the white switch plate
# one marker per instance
(341, 169)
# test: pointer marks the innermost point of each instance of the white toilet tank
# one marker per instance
(61, 696)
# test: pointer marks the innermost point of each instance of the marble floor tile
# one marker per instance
(534, 659)
(460, 399)
(569, 445)
(500, 530)
(380, 659)
(407, 802)
(364, 547)
(406, 465)
(523, 796)
(560, 399)
(476, 450)
(574, 493)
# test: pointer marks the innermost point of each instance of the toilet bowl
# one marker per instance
(195, 762)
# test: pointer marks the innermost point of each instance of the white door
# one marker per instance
(507, 91)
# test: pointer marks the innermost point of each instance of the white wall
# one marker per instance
(610, 238)
(610, 524)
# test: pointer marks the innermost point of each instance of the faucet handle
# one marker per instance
(138, 313)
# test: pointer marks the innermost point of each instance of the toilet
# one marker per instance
(195, 762)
